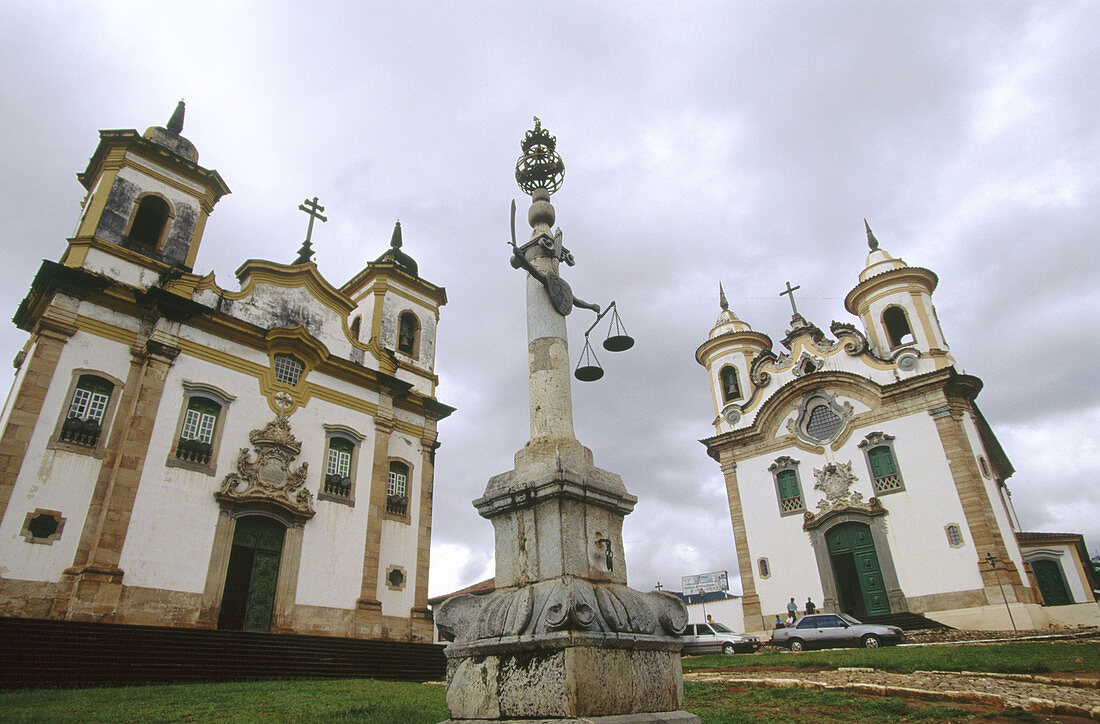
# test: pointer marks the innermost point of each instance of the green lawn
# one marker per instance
(407, 703)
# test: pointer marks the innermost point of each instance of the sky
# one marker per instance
(733, 142)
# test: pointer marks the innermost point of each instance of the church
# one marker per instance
(181, 454)
(861, 473)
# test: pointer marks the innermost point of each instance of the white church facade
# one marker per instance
(177, 453)
(861, 473)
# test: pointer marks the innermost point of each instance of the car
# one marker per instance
(712, 638)
(828, 630)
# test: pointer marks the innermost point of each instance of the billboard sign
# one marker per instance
(705, 583)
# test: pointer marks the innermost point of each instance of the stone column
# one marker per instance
(27, 405)
(368, 609)
(421, 617)
(750, 600)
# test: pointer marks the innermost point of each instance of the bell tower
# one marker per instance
(147, 202)
(894, 302)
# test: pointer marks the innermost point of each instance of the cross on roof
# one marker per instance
(314, 209)
(790, 292)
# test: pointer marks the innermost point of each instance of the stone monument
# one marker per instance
(561, 637)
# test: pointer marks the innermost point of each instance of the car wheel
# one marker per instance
(728, 649)
(795, 645)
(871, 642)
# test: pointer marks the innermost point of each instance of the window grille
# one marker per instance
(954, 536)
(884, 471)
(287, 369)
(823, 423)
(338, 467)
(84, 419)
(790, 493)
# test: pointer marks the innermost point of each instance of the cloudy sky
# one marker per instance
(704, 142)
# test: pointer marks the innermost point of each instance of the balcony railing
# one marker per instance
(194, 451)
(339, 485)
(791, 505)
(397, 504)
(887, 483)
(80, 432)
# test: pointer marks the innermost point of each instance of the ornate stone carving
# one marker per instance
(835, 480)
(757, 374)
(269, 478)
(854, 341)
(566, 603)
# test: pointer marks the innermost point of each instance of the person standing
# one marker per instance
(810, 607)
(792, 610)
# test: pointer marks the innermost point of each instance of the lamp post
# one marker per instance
(993, 564)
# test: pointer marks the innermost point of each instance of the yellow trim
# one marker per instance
(97, 202)
(196, 238)
(925, 321)
(157, 174)
(133, 257)
(376, 312)
(106, 330)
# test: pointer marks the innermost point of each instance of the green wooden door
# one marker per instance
(248, 599)
(855, 566)
(1052, 585)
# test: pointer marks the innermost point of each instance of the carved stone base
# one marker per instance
(565, 676)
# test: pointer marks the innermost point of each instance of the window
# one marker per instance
(408, 334)
(202, 418)
(897, 326)
(765, 568)
(787, 486)
(87, 410)
(338, 467)
(288, 369)
(397, 499)
(984, 467)
(196, 441)
(43, 526)
(395, 578)
(731, 388)
(150, 220)
(878, 448)
(340, 462)
(355, 323)
(954, 535)
(821, 419)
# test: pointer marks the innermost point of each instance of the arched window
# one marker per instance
(338, 467)
(765, 568)
(878, 448)
(397, 497)
(150, 219)
(408, 334)
(731, 388)
(954, 535)
(87, 409)
(897, 326)
(355, 327)
(787, 486)
(196, 443)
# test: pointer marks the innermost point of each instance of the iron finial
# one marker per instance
(395, 240)
(540, 166)
(871, 240)
(722, 298)
(175, 123)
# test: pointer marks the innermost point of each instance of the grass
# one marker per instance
(1011, 658)
(382, 702)
(363, 700)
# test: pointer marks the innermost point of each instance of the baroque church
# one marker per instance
(861, 473)
(177, 453)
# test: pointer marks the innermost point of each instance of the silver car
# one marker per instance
(827, 630)
(710, 638)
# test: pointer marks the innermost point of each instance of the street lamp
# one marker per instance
(993, 564)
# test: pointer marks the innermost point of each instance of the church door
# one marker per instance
(1048, 574)
(249, 596)
(859, 585)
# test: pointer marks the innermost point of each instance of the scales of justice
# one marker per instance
(562, 637)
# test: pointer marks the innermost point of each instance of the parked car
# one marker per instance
(711, 638)
(827, 630)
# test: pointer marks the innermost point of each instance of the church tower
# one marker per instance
(728, 356)
(147, 202)
(894, 302)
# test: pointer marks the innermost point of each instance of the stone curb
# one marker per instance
(1076, 682)
(992, 700)
(1046, 706)
(1038, 637)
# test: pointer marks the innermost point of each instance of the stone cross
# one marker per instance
(790, 292)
